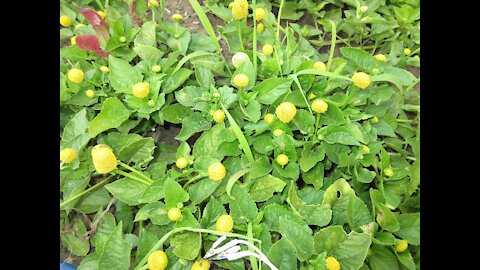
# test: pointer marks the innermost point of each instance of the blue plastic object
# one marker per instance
(66, 266)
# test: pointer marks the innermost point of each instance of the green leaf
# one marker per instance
(360, 58)
(352, 251)
(139, 152)
(146, 242)
(123, 76)
(329, 238)
(303, 121)
(253, 111)
(78, 246)
(282, 255)
(190, 95)
(242, 207)
(205, 22)
(116, 253)
(201, 42)
(339, 134)
(207, 144)
(176, 79)
(386, 219)
(299, 236)
(333, 115)
(380, 94)
(212, 211)
(193, 124)
(319, 215)
(202, 190)
(147, 35)
(155, 211)
(311, 156)
(77, 125)
(383, 258)
(264, 187)
(127, 190)
(260, 168)
(154, 192)
(405, 258)
(148, 53)
(365, 176)
(409, 228)
(187, 244)
(247, 69)
(227, 96)
(204, 77)
(174, 194)
(314, 176)
(271, 89)
(384, 129)
(357, 213)
(112, 115)
(175, 113)
(273, 212)
(92, 201)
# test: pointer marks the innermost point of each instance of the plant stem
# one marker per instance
(100, 5)
(141, 264)
(282, 2)
(253, 260)
(62, 204)
(135, 171)
(193, 180)
(143, 181)
(240, 35)
(332, 47)
(317, 122)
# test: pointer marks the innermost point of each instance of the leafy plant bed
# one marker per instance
(292, 126)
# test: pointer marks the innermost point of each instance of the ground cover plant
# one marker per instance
(297, 131)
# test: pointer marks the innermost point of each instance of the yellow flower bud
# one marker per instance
(65, 21)
(75, 75)
(319, 66)
(240, 9)
(269, 117)
(361, 80)
(177, 17)
(260, 28)
(216, 171)
(104, 160)
(224, 223)
(282, 159)
(380, 57)
(319, 106)
(332, 263)
(240, 80)
(286, 111)
(267, 49)
(401, 246)
(141, 90)
(259, 14)
(68, 155)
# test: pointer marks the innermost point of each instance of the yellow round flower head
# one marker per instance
(269, 117)
(218, 116)
(201, 265)
(282, 159)
(174, 214)
(401, 246)
(361, 80)
(156, 68)
(90, 93)
(68, 155)
(216, 171)
(73, 40)
(102, 14)
(177, 17)
(363, 9)
(319, 66)
(267, 49)
(65, 21)
(259, 14)
(75, 75)
(104, 160)
(319, 106)
(181, 163)
(224, 223)
(260, 28)
(380, 57)
(365, 149)
(277, 132)
(286, 111)
(141, 90)
(332, 264)
(311, 96)
(157, 260)
(240, 80)
(407, 51)
(240, 9)
(153, 3)
(375, 119)
(388, 172)
(238, 59)
(104, 69)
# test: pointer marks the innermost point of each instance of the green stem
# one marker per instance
(143, 181)
(317, 123)
(332, 47)
(135, 171)
(177, 230)
(62, 204)
(265, 128)
(253, 260)
(193, 180)
(301, 91)
(282, 2)
(240, 35)
(100, 4)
